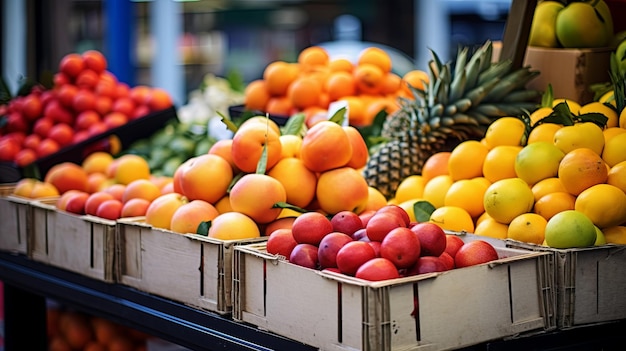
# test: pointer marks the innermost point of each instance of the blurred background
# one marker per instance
(173, 44)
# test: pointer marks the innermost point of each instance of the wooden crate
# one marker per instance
(590, 283)
(82, 244)
(506, 298)
(15, 216)
(187, 268)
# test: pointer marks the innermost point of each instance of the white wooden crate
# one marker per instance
(15, 219)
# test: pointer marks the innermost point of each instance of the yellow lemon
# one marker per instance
(466, 160)
(615, 150)
(599, 107)
(528, 228)
(617, 176)
(615, 235)
(574, 107)
(539, 114)
(435, 190)
(491, 228)
(467, 194)
(547, 186)
(611, 132)
(505, 131)
(543, 132)
(453, 218)
(508, 198)
(622, 119)
(600, 239)
(500, 162)
(538, 161)
(604, 204)
(585, 134)
(411, 187)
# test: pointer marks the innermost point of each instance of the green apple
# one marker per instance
(543, 27)
(584, 25)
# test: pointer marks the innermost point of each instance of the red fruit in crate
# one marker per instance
(115, 119)
(124, 105)
(366, 216)
(328, 248)
(397, 210)
(311, 227)
(360, 235)
(87, 79)
(61, 79)
(17, 123)
(121, 90)
(401, 246)
(140, 94)
(304, 255)
(346, 222)
(86, 119)
(32, 107)
(71, 64)
(84, 100)
(62, 133)
(67, 176)
(432, 238)
(65, 94)
(475, 252)
(25, 157)
(109, 77)
(447, 260)
(47, 147)
(377, 269)
(140, 111)
(352, 255)
(281, 242)
(110, 209)
(57, 113)
(159, 99)
(94, 200)
(382, 223)
(97, 128)
(427, 264)
(103, 105)
(79, 136)
(8, 149)
(376, 246)
(106, 88)
(76, 202)
(42, 127)
(94, 60)
(453, 244)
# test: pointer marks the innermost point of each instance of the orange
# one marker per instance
(340, 84)
(233, 226)
(298, 181)
(278, 75)
(528, 227)
(617, 176)
(304, 92)
(313, 56)
(256, 95)
(550, 204)
(248, 144)
(416, 78)
(377, 57)
(24, 187)
(411, 187)
(279, 106)
(325, 146)
(255, 195)
(66, 176)
(436, 164)
(131, 167)
(547, 186)
(580, 169)
(392, 83)
(543, 132)
(615, 235)
(374, 107)
(436, 188)
(500, 162)
(466, 160)
(356, 110)
(340, 64)
(368, 78)
(604, 204)
(353, 195)
(159, 99)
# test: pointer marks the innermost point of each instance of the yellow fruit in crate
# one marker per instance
(574, 107)
(547, 186)
(505, 131)
(408, 207)
(491, 228)
(617, 176)
(24, 187)
(453, 218)
(500, 162)
(600, 239)
(615, 150)
(585, 134)
(604, 204)
(580, 169)
(540, 114)
(615, 235)
(507, 199)
(569, 229)
(609, 133)
(435, 190)
(543, 132)
(411, 187)
(538, 161)
(130, 167)
(233, 226)
(290, 145)
(466, 160)
(528, 228)
(599, 107)
(97, 162)
(375, 199)
(622, 119)
(467, 194)
(161, 210)
(550, 204)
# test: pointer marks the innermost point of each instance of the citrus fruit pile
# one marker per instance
(368, 86)
(559, 185)
(86, 100)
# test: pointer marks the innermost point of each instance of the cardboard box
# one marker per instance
(15, 216)
(508, 297)
(81, 244)
(571, 72)
(590, 283)
(187, 268)
(126, 134)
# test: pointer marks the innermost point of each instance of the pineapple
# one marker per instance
(458, 104)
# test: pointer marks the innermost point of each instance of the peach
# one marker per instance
(205, 177)
(67, 176)
(24, 187)
(97, 181)
(43, 189)
(299, 182)
(360, 152)
(341, 189)
(76, 202)
(233, 226)
(325, 146)
(135, 207)
(141, 188)
(61, 202)
(311, 228)
(159, 213)
(97, 162)
(223, 148)
(188, 217)
(117, 190)
(279, 223)
(94, 200)
(248, 144)
(110, 209)
(255, 195)
(281, 242)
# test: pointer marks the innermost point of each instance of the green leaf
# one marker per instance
(594, 117)
(235, 180)
(423, 209)
(289, 206)
(339, 116)
(371, 133)
(295, 125)
(228, 122)
(548, 97)
(203, 228)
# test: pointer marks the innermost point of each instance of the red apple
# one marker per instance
(401, 246)
(346, 222)
(377, 269)
(397, 210)
(76, 203)
(329, 246)
(376, 246)
(281, 242)
(310, 228)
(304, 255)
(432, 238)
(382, 223)
(447, 260)
(453, 244)
(365, 216)
(427, 264)
(352, 255)
(475, 252)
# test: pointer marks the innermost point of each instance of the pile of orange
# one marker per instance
(368, 86)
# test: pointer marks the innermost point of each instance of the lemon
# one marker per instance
(452, 218)
(600, 239)
(603, 204)
(574, 107)
(508, 198)
(599, 107)
(467, 194)
(500, 162)
(550, 204)
(435, 189)
(538, 161)
(411, 187)
(615, 150)
(547, 186)
(617, 176)
(615, 235)
(491, 228)
(569, 229)
(505, 131)
(622, 119)
(539, 114)
(466, 160)
(543, 132)
(528, 228)
(579, 135)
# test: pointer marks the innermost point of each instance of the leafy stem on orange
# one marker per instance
(563, 115)
(422, 210)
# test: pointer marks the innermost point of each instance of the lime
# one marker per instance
(569, 229)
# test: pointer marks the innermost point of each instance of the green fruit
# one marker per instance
(569, 229)
(600, 240)
(180, 145)
(543, 28)
(584, 25)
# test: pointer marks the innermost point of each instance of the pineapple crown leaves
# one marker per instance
(618, 81)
